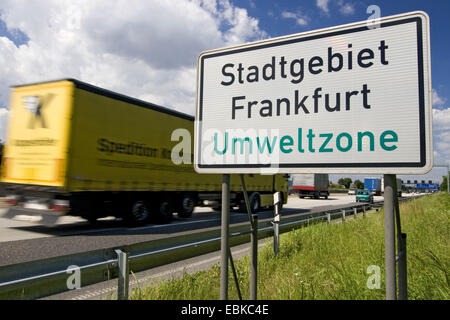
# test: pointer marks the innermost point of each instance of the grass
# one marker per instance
(330, 261)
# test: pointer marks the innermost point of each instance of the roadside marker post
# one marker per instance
(276, 222)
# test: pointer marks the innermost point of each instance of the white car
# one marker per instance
(352, 192)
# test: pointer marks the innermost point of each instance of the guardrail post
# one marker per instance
(254, 258)
(343, 215)
(329, 217)
(276, 222)
(364, 211)
(124, 272)
(355, 212)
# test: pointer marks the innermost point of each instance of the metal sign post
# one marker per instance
(389, 235)
(225, 243)
(253, 243)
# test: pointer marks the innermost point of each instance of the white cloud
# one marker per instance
(441, 119)
(145, 49)
(344, 7)
(441, 135)
(299, 18)
(438, 100)
(347, 8)
(323, 5)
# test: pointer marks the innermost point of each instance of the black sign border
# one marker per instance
(421, 77)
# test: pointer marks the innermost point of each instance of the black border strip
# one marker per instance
(117, 96)
(422, 137)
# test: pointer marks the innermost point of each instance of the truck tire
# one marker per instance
(84, 206)
(138, 213)
(163, 212)
(255, 202)
(186, 205)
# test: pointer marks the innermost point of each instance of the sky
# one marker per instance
(148, 49)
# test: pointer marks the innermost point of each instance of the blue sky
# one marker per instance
(270, 15)
(148, 49)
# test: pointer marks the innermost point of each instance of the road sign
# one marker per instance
(347, 99)
(427, 186)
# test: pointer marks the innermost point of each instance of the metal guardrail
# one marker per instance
(41, 278)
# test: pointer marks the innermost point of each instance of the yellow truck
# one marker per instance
(91, 152)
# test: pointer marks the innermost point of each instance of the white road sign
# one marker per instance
(349, 99)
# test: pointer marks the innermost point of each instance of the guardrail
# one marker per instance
(41, 278)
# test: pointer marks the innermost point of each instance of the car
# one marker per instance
(364, 196)
(352, 192)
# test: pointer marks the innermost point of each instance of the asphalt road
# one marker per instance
(22, 241)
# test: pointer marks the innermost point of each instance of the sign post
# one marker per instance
(389, 235)
(225, 233)
(350, 99)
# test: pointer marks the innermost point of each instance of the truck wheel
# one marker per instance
(255, 202)
(186, 205)
(138, 213)
(163, 212)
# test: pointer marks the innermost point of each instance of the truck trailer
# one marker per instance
(310, 185)
(399, 186)
(373, 185)
(91, 152)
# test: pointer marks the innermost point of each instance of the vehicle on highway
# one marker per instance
(364, 196)
(351, 192)
(91, 152)
(373, 185)
(310, 185)
(399, 186)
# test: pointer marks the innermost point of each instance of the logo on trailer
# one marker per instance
(35, 105)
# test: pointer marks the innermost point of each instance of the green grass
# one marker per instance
(329, 261)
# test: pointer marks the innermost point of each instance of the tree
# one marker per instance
(346, 182)
(358, 184)
(443, 185)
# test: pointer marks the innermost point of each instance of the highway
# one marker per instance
(72, 235)
(22, 241)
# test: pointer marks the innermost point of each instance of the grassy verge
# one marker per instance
(330, 261)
